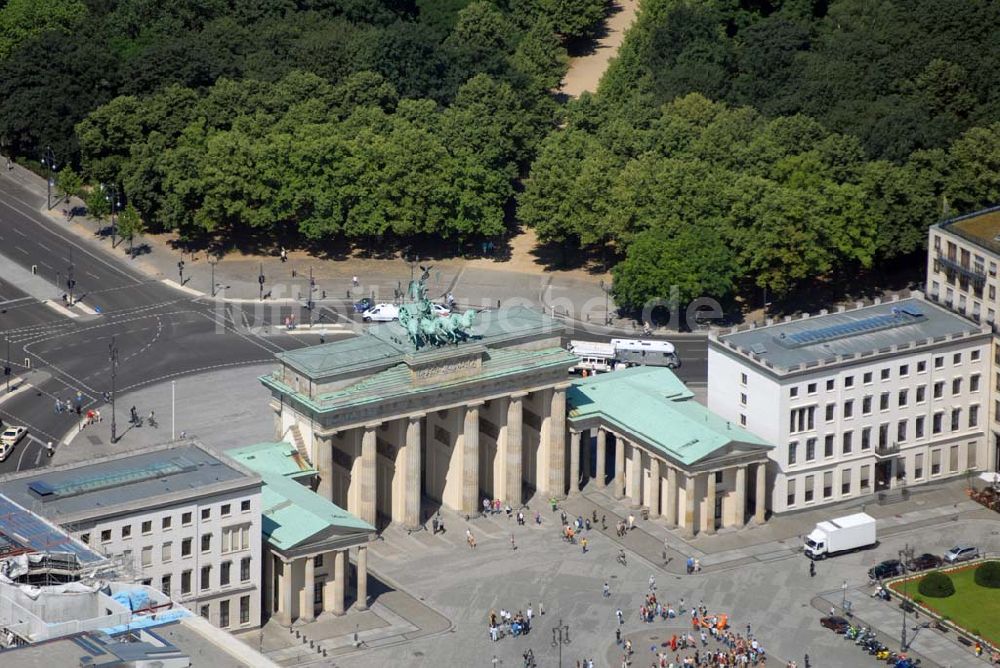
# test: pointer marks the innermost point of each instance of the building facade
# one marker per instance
(859, 401)
(389, 424)
(308, 540)
(178, 518)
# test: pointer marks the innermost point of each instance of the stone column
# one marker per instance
(654, 487)
(362, 602)
(470, 459)
(574, 462)
(636, 491)
(689, 516)
(671, 500)
(557, 443)
(515, 430)
(306, 609)
(339, 574)
(741, 495)
(285, 589)
(710, 502)
(330, 588)
(367, 507)
(619, 480)
(411, 514)
(323, 453)
(761, 494)
(600, 464)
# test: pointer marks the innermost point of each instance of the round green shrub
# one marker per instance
(988, 575)
(936, 585)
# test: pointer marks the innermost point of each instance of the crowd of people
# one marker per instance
(508, 624)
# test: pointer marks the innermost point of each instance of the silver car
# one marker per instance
(961, 553)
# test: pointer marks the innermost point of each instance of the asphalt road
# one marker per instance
(159, 332)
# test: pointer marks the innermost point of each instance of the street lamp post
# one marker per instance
(6, 367)
(607, 288)
(113, 356)
(70, 280)
(312, 288)
(905, 555)
(212, 261)
(560, 637)
(49, 160)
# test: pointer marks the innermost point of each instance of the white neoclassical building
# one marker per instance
(859, 401)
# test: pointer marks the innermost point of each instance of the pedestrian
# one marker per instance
(152, 419)
(618, 635)
(812, 568)
(631, 521)
(530, 613)
(97, 414)
(58, 406)
(541, 608)
(513, 546)
(583, 544)
(49, 448)
(606, 592)
(690, 570)
(354, 281)
(470, 539)
(604, 523)
(621, 617)
(434, 525)
(652, 583)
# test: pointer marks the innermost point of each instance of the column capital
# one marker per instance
(416, 417)
(518, 395)
(562, 387)
(475, 404)
(371, 426)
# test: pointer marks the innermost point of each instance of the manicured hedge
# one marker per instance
(988, 575)
(936, 585)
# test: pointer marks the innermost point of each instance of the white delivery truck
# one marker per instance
(595, 357)
(647, 352)
(843, 534)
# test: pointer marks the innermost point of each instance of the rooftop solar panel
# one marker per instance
(898, 318)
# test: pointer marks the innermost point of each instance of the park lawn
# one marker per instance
(972, 607)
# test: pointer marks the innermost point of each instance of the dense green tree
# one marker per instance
(130, 226)
(98, 206)
(692, 258)
(20, 20)
(974, 181)
(68, 182)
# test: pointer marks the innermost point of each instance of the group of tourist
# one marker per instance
(510, 624)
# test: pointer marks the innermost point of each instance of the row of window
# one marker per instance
(205, 581)
(902, 434)
(918, 474)
(884, 374)
(804, 418)
(223, 621)
(166, 523)
(234, 539)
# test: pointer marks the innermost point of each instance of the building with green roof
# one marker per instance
(392, 425)
(308, 538)
(672, 456)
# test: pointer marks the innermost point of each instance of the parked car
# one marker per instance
(924, 561)
(9, 438)
(381, 313)
(961, 553)
(886, 569)
(363, 305)
(835, 624)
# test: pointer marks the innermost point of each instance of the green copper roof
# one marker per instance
(385, 344)
(654, 405)
(280, 458)
(397, 381)
(292, 515)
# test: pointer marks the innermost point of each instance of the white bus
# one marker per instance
(595, 357)
(638, 352)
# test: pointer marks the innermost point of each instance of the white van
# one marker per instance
(381, 313)
(595, 357)
(638, 352)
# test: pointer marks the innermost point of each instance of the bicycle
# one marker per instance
(621, 558)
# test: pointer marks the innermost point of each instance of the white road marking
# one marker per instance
(22, 250)
(20, 232)
(94, 276)
(44, 246)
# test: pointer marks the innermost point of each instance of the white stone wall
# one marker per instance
(118, 546)
(769, 402)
